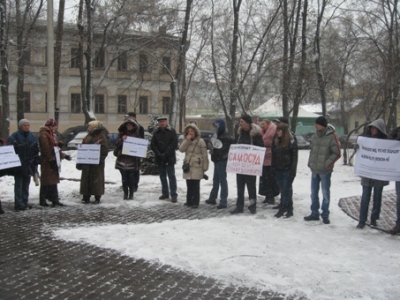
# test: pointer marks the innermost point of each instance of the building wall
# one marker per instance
(153, 84)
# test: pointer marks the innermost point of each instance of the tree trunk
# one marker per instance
(57, 54)
(5, 113)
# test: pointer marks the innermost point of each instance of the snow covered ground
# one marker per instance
(318, 261)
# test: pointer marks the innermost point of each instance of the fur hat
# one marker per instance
(22, 122)
(246, 118)
(321, 121)
(50, 122)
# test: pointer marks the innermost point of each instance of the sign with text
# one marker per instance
(245, 159)
(88, 154)
(378, 159)
(8, 158)
(135, 147)
(57, 155)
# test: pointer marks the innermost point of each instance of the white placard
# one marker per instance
(7, 150)
(135, 147)
(9, 161)
(245, 159)
(88, 154)
(378, 159)
(57, 154)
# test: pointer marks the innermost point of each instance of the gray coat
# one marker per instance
(195, 154)
(380, 125)
(325, 150)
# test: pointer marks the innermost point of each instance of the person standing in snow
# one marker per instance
(377, 130)
(196, 157)
(132, 116)
(92, 177)
(284, 165)
(248, 134)
(325, 151)
(395, 135)
(220, 158)
(26, 146)
(50, 176)
(127, 165)
(268, 186)
(164, 143)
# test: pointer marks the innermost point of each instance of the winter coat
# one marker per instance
(195, 154)
(26, 146)
(380, 125)
(222, 153)
(268, 137)
(126, 162)
(164, 143)
(285, 158)
(325, 150)
(250, 137)
(92, 178)
(48, 164)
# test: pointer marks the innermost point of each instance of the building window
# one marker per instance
(75, 103)
(122, 61)
(27, 102)
(99, 59)
(99, 104)
(166, 105)
(74, 58)
(166, 61)
(143, 63)
(122, 104)
(143, 105)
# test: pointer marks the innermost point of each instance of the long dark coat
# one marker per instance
(92, 178)
(49, 175)
(164, 141)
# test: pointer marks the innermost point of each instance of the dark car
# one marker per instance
(69, 134)
(306, 135)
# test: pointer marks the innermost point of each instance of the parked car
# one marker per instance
(73, 144)
(70, 133)
(351, 142)
(306, 135)
(301, 142)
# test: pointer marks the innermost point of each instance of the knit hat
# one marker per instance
(22, 122)
(50, 123)
(282, 120)
(321, 121)
(246, 118)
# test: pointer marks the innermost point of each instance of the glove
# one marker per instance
(53, 165)
(163, 157)
(79, 167)
(356, 147)
(68, 157)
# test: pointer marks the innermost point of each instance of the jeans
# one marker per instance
(325, 180)
(285, 185)
(220, 179)
(21, 191)
(170, 171)
(365, 198)
(193, 192)
(398, 203)
(128, 179)
(241, 182)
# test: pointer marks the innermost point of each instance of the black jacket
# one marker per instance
(164, 143)
(222, 154)
(251, 137)
(285, 158)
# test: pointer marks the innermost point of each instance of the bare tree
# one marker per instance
(5, 113)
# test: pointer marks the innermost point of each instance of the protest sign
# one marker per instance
(245, 159)
(88, 154)
(378, 159)
(135, 147)
(8, 158)
(57, 154)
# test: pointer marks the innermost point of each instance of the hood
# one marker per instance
(122, 127)
(379, 124)
(194, 127)
(220, 126)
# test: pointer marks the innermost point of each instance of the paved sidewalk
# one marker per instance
(351, 206)
(34, 265)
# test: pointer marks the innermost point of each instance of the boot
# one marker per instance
(1, 209)
(253, 206)
(86, 199)
(289, 212)
(42, 197)
(42, 202)
(280, 213)
(271, 200)
(131, 191)
(97, 199)
(125, 188)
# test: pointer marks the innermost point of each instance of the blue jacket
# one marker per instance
(26, 146)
